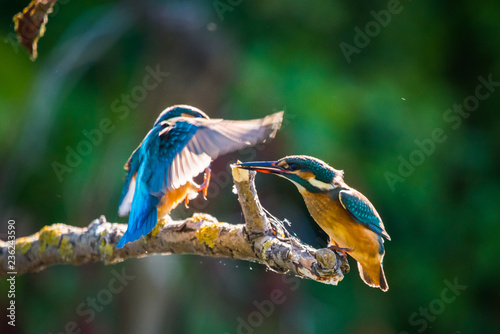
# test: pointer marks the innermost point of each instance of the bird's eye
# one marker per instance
(292, 167)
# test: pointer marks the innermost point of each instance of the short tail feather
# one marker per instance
(143, 215)
(367, 279)
(142, 229)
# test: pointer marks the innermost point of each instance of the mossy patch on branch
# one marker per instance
(266, 246)
(66, 249)
(199, 217)
(157, 228)
(49, 236)
(105, 249)
(207, 234)
(23, 245)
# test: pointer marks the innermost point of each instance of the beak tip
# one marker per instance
(260, 166)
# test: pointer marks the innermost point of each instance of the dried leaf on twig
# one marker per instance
(30, 24)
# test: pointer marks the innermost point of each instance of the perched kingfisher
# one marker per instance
(182, 144)
(346, 215)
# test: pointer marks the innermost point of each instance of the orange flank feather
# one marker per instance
(174, 197)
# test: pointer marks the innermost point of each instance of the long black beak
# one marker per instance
(262, 166)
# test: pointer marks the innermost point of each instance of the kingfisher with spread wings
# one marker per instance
(182, 144)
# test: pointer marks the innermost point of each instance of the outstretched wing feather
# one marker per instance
(213, 138)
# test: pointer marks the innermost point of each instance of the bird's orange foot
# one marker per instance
(206, 181)
(340, 249)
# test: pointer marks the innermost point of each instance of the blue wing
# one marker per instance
(152, 160)
(361, 210)
(169, 144)
(156, 153)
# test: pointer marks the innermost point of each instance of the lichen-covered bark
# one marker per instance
(257, 241)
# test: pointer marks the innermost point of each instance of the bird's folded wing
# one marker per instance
(362, 211)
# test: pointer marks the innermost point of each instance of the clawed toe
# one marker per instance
(340, 249)
(206, 181)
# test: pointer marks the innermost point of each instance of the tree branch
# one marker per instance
(256, 220)
(258, 240)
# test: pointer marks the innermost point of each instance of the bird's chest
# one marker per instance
(331, 216)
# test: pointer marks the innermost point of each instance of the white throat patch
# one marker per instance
(320, 185)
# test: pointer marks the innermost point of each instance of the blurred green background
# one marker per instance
(363, 113)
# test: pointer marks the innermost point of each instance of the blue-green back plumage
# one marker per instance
(362, 211)
(169, 144)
